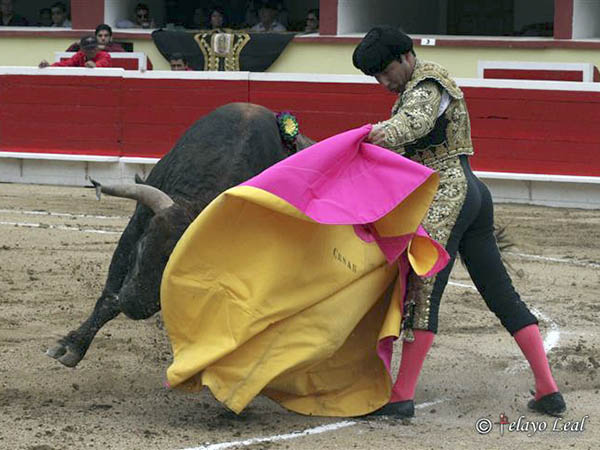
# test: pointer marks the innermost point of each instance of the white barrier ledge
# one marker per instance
(59, 157)
(537, 177)
(565, 191)
(138, 160)
(62, 71)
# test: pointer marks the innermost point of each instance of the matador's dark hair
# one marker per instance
(379, 47)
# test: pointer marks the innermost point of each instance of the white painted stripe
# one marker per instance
(553, 335)
(466, 286)
(550, 340)
(281, 437)
(294, 435)
(53, 214)
(428, 404)
(572, 262)
(57, 227)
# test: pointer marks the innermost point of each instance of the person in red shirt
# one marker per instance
(88, 56)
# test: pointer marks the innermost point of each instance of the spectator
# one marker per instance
(178, 62)
(44, 18)
(312, 21)
(267, 14)
(7, 16)
(59, 15)
(142, 18)
(252, 7)
(104, 38)
(198, 19)
(216, 19)
(88, 56)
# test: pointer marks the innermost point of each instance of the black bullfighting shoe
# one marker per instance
(551, 404)
(396, 410)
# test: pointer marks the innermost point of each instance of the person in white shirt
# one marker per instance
(59, 16)
(142, 18)
(267, 15)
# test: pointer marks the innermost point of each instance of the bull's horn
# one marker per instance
(149, 196)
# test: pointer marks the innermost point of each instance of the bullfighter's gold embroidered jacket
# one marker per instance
(417, 130)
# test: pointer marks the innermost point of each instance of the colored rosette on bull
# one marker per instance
(288, 126)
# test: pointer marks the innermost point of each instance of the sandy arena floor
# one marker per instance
(53, 263)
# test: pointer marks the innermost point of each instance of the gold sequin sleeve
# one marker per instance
(415, 116)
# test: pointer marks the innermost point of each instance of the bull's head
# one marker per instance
(139, 296)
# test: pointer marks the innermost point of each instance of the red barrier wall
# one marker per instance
(155, 112)
(528, 74)
(535, 131)
(544, 131)
(60, 114)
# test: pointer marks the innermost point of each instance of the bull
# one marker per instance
(222, 149)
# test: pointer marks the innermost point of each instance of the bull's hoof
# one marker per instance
(65, 353)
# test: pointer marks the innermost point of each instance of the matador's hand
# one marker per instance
(376, 136)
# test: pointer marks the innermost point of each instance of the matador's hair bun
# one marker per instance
(379, 47)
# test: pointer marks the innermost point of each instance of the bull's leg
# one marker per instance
(71, 349)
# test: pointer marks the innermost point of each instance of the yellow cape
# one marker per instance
(259, 298)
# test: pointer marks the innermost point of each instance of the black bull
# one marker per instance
(224, 148)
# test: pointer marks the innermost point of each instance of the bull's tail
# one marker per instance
(504, 245)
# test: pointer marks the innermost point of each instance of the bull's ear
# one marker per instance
(139, 180)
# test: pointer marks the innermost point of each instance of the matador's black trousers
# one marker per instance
(472, 234)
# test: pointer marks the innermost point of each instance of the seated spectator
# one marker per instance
(104, 38)
(216, 19)
(8, 18)
(267, 14)
(88, 56)
(251, 17)
(44, 18)
(178, 62)
(59, 16)
(312, 21)
(198, 19)
(142, 18)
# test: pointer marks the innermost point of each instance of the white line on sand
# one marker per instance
(572, 262)
(550, 341)
(55, 214)
(58, 227)
(297, 434)
(569, 261)
(280, 437)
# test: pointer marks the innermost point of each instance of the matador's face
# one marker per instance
(397, 73)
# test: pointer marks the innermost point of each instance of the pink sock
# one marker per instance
(413, 355)
(530, 342)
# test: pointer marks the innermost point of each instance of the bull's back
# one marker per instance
(222, 149)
